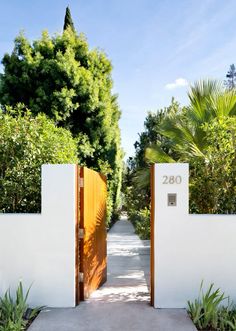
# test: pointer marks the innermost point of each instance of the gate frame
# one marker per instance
(79, 224)
(79, 214)
(152, 242)
(77, 221)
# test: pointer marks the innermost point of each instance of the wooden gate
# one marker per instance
(91, 246)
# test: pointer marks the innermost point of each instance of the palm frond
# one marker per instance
(200, 95)
(155, 154)
(225, 104)
(141, 178)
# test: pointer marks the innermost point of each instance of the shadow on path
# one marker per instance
(128, 266)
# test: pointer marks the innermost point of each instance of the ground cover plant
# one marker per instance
(212, 311)
(15, 314)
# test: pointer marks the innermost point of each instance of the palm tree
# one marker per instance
(208, 100)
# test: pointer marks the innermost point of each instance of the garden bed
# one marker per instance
(212, 311)
(15, 314)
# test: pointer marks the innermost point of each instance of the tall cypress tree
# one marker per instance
(68, 20)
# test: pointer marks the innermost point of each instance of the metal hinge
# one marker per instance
(81, 233)
(81, 277)
(81, 182)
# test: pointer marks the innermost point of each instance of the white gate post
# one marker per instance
(171, 203)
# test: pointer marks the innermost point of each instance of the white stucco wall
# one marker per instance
(39, 249)
(189, 248)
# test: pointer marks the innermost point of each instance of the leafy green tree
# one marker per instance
(136, 178)
(203, 135)
(25, 144)
(230, 83)
(152, 135)
(213, 177)
(61, 77)
(68, 22)
(208, 100)
(137, 166)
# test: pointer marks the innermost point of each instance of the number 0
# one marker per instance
(178, 179)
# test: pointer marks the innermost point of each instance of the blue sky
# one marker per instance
(157, 47)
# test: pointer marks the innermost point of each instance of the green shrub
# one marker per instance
(141, 222)
(213, 176)
(25, 144)
(13, 311)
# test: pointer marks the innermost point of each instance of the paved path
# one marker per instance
(128, 266)
(122, 303)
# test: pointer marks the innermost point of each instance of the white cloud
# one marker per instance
(179, 82)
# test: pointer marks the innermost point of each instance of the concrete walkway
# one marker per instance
(122, 303)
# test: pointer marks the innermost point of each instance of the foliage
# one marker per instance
(152, 135)
(141, 222)
(208, 100)
(213, 176)
(14, 314)
(208, 311)
(72, 85)
(25, 144)
(68, 22)
(230, 83)
(137, 173)
(203, 135)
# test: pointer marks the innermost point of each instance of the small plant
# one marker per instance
(209, 313)
(141, 221)
(227, 318)
(15, 313)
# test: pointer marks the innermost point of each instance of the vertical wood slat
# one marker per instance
(152, 274)
(92, 248)
(81, 226)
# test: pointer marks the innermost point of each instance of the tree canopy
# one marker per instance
(136, 182)
(208, 100)
(61, 77)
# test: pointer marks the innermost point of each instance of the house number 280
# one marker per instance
(172, 180)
